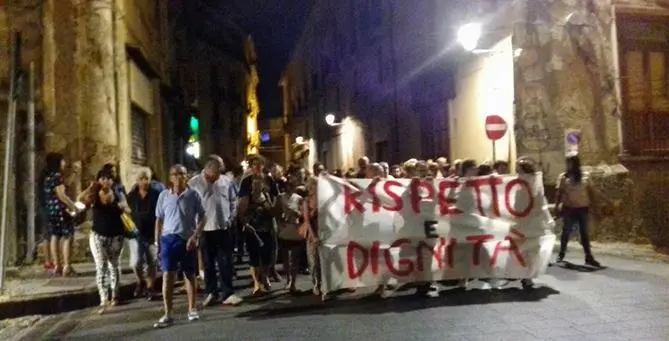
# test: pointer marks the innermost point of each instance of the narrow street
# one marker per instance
(626, 301)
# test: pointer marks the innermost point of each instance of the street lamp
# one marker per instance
(469, 35)
(299, 140)
(330, 119)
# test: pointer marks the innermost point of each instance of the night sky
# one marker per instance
(275, 26)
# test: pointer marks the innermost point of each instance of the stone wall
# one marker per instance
(564, 77)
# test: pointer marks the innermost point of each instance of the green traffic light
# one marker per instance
(195, 125)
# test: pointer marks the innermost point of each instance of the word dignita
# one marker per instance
(413, 256)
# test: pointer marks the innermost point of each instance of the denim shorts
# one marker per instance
(142, 253)
(175, 256)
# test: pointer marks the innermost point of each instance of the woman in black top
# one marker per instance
(256, 200)
(106, 240)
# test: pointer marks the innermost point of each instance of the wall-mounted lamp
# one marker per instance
(469, 35)
(330, 120)
(299, 140)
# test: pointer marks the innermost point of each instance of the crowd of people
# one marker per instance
(200, 225)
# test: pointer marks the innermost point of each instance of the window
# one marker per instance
(139, 136)
(644, 68)
(381, 151)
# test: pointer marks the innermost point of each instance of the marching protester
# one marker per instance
(310, 220)
(142, 200)
(500, 167)
(573, 202)
(291, 231)
(180, 219)
(219, 199)
(278, 183)
(106, 239)
(256, 200)
(363, 162)
(59, 223)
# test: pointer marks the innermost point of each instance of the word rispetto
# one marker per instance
(443, 193)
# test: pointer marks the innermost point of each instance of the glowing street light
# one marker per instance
(330, 119)
(299, 140)
(469, 35)
(193, 149)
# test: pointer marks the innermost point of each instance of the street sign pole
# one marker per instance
(494, 151)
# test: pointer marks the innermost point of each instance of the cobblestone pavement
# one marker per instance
(627, 301)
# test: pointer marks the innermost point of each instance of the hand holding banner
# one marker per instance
(432, 229)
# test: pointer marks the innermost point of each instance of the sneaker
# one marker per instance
(592, 262)
(193, 315)
(164, 322)
(209, 300)
(233, 300)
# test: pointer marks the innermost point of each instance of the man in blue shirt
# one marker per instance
(180, 219)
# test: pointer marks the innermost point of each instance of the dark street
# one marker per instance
(568, 304)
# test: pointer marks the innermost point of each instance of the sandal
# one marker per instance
(138, 290)
(102, 308)
(258, 292)
(68, 271)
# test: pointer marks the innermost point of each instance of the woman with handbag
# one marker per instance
(292, 230)
(108, 233)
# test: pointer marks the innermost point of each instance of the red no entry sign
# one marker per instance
(495, 127)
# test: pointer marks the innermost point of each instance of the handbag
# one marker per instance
(129, 226)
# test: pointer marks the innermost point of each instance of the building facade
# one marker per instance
(375, 65)
(272, 140)
(111, 86)
(252, 103)
(592, 69)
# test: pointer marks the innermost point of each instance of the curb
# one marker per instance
(61, 303)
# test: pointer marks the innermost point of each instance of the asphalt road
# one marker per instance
(627, 301)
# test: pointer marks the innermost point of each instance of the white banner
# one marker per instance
(428, 230)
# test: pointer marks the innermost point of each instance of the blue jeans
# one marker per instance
(217, 250)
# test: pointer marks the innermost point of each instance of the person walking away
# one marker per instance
(291, 241)
(58, 208)
(142, 200)
(574, 198)
(180, 219)
(255, 211)
(106, 239)
(219, 199)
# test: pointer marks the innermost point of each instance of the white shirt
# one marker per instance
(219, 200)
